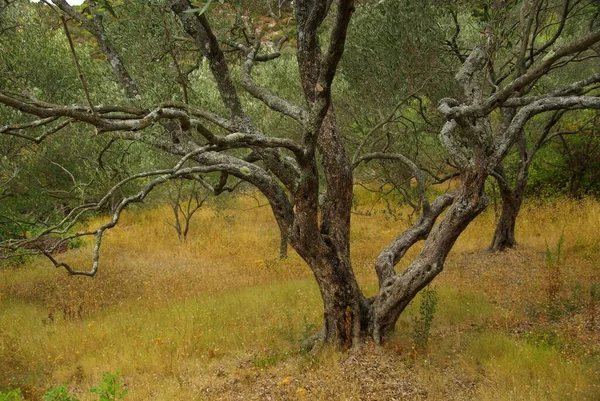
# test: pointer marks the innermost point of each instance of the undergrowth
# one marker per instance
(111, 388)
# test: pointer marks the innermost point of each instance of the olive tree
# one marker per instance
(542, 24)
(223, 139)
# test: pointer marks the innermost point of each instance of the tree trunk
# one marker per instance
(325, 248)
(342, 298)
(504, 235)
(283, 248)
(512, 199)
(321, 234)
(398, 290)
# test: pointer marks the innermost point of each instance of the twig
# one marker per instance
(79, 71)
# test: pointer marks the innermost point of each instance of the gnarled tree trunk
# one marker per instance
(322, 230)
(342, 299)
(398, 290)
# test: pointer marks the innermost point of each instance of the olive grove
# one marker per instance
(512, 62)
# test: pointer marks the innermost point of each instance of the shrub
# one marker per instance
(422, 323)
(58, 394)
(111, 388)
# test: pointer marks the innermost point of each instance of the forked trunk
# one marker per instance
(397, 291)
(349, 317)
(322, 230)
(325, 248)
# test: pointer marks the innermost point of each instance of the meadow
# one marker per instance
(220, 316)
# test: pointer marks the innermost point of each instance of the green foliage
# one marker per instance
(306, 336)
(12, 395)
(111, 388)
(553, 258)
(58, 394)
(567, 167)
(388, 43)
(38, 182)
(422, 323)
(105, 4)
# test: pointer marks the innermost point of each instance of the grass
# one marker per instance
(221, 317)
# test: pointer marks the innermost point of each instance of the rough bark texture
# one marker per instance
(283, 246)
(325, 244)
(391, 254)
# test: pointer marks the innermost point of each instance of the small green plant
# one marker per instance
(12, 395)
(111, 388)
(422, 323)
(76, 243)
(266, 360)
(553, 259)
(58, 394)
(307, 335)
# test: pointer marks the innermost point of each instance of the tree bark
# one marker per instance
(512, 199)
(283, 246)
(342, 300)
(504, 234)
(391, 254)
(325, 248)
(321, 234)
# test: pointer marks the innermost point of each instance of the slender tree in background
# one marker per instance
(541, 25)
(480, 127)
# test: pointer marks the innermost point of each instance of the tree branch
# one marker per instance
(391, 254)
(96, 28)
(407, 162)
(504, 142)
(263, 94)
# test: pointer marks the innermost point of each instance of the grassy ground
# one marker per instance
(221, 317)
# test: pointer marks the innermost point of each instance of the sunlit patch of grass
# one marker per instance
(463, 308)
(519, 370)
(145, 337)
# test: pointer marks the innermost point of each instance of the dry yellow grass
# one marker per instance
(221, 317)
